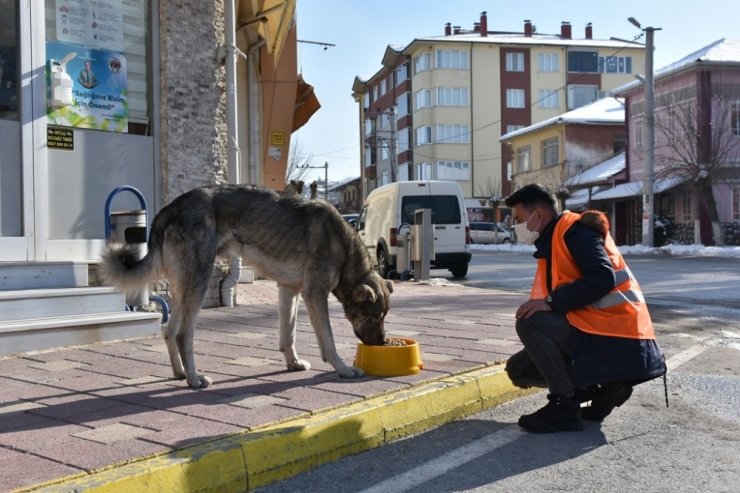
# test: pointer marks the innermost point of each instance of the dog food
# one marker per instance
(390, 341)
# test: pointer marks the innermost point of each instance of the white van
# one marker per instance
(392, 205)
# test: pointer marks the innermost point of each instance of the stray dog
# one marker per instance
(305, 246)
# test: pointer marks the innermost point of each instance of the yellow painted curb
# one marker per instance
(248, 460)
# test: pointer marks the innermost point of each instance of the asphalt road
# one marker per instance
(691, 446)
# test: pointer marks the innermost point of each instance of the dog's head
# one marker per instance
(368, 307)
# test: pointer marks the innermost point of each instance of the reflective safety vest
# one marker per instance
(620, 313)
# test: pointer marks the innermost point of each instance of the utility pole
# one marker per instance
(326, 176)
(648, 197)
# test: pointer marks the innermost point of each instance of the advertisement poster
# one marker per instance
(86, 88)
(92, 23)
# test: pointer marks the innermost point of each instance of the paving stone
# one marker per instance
(113, 433)
(18, 469)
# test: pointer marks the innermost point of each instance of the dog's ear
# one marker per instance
(363, 292)
(389, 285)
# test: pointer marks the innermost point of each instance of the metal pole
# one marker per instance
(648, 200)
(326, 181)
(231, 106)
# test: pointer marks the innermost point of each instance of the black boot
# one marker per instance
(560, 414)
(604, 401)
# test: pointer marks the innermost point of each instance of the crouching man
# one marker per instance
(586, 329)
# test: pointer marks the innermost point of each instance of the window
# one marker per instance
(423, 135)
(453, 134)
(736, 204)
(581, 95)
(368, 127)
(615, 64)
(522, 160)
(514, 62)
(453, 170)
(403, 140)
(548, 98)
(513, 128)
(451, 59)
(686, 206)
(452, 96)
(638, 135)
(583, 61)
(402, 73)
(423, 99)
(384, 151)
(402, 105)
(509, 171)
(366, 100)
(385, 178)
(369, 156)
(515, 98)
(548, 62)
(403, 172)
(385, 121)
(735, 117)
(375, 93)
(550, 155)
(422, 62)
(445, 208)
(423, 171)
(383, 87)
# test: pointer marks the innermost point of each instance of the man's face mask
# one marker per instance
(524, 234)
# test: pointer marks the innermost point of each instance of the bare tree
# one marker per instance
(696, 145)
(298, 162)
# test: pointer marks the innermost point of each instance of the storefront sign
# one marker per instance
(60, 138)
(99, 87)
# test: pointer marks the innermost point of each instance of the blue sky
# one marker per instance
(361, 31)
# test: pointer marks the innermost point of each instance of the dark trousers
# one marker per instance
(545, 359)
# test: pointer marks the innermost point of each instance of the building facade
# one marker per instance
(697, 150)
(469, 87)
(162, 95)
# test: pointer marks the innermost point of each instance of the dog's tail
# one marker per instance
(121, 267)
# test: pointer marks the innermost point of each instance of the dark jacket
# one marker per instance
(594, 358)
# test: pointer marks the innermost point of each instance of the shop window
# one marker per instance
(8, 62)
(108, 63)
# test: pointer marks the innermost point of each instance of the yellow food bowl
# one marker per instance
(390, 360)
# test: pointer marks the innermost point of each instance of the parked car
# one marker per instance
(485, 232)
(389, 207)
(351, 218)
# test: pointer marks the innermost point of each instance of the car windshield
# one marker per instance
(445, 208)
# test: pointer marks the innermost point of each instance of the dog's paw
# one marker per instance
(299, 365)
(199, 382)
(350, 372)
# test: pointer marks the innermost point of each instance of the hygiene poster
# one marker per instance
(92, 23)
(86, 87)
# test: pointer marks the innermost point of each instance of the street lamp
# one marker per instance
(648, 191)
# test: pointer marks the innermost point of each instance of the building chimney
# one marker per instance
(456, 29)
(589, 31)
(527, 28)
(565, 31)
(448, 29)
(483, 24)
(476, 27)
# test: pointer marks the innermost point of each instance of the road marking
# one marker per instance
(447, 462)
(678, 359)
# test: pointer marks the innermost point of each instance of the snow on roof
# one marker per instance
(601, 112)
(598, 173)
(634, 188)
(722, 51)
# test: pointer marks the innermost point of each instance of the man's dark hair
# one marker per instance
(531, 195)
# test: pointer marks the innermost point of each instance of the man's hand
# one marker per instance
(530, 307)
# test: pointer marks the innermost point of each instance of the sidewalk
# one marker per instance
(108, 417)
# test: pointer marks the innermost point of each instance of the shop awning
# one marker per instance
(273, 18)
(306, 103)
(634, 188)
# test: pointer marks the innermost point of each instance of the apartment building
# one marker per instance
(466, 88)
